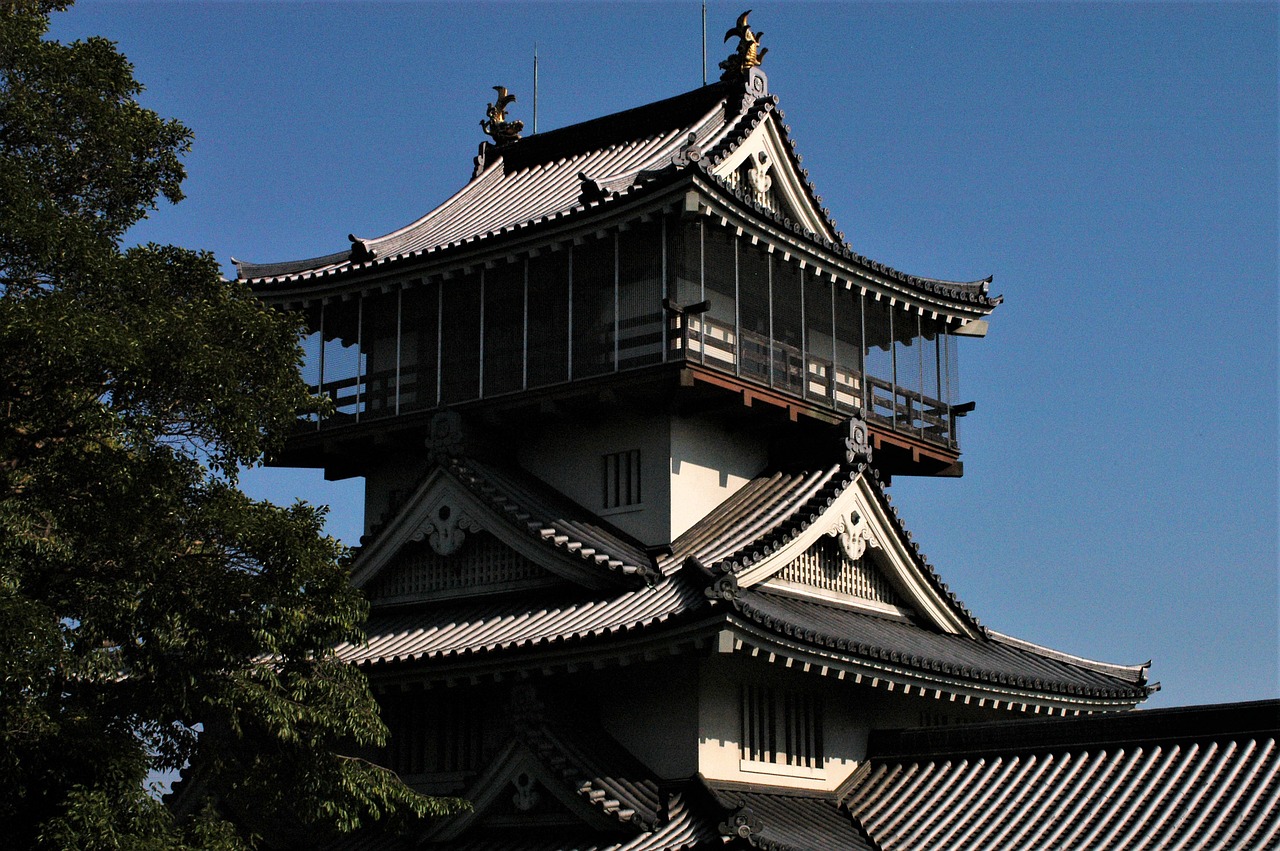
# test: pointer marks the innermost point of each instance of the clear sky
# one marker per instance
(1113, 165)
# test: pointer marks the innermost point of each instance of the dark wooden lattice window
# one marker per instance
(621, 479)
(548, 318)
(781, 727)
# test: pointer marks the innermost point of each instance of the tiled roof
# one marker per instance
(761, 517)
(530, 509)
(975, 292)
(509, 622)
(903, 644)
(600, 771)
(1192, 777)
(549, 618)
(682, 830)
(577, 755)
(583, 761)
(766, 514)
(536, 509)
(763, 514)
(778, 820)
(540, 179)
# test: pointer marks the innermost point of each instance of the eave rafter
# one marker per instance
(746, 636)
(696, 192)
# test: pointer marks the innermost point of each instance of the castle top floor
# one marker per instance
(679, 239)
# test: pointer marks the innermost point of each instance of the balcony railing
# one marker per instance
(790, 370)
(700, 339)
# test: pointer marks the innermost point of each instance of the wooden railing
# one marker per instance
(701, 339)
(787, 368)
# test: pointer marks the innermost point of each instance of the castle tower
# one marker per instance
(627, 406)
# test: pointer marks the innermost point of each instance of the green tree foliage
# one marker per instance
(151, 614)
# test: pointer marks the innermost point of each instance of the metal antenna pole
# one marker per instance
(704, 42)
(535, 87)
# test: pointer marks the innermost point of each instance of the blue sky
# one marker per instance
(1113, 165)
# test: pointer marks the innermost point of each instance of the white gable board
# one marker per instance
(762, 166)
(859, 522)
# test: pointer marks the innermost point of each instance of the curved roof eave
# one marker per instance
(971, 664)
(970, 296)
(617, 154)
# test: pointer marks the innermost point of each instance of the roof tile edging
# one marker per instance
(974, 291)
(923, 664)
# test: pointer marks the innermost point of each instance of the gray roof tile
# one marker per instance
(902, 643)
(778, 820)
(537, 179)
(1120, 782)
(536, 509)
(511, 622)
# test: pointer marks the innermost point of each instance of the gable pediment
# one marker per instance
(519, 789)
(481, 564)
(762, 167)
(474, 530)
(840, 568)
(873, 566)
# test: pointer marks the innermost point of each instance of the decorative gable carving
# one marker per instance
(479, 563)
(890, 579)
(762, 168)
(444, 514)
(829, 570)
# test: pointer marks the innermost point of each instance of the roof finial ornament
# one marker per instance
(855, 441)
(496, 125)
(749, 53)
(360, 251)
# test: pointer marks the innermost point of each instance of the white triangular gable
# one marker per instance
(442, 513)
(840, 568)
(483, 564)
(858, 521)
(762, 166)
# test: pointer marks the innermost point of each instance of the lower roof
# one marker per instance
(1191, 777)
(902, 642)
(490, 627)
(697, 584)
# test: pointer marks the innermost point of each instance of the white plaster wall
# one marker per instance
(720, 726)
(710, 461)
(850, 712)
(568, 456)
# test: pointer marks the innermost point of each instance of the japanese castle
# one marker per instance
(628, 408)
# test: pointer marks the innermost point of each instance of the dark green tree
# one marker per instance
(151, 615)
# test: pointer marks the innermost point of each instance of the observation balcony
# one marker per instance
(662, 294)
